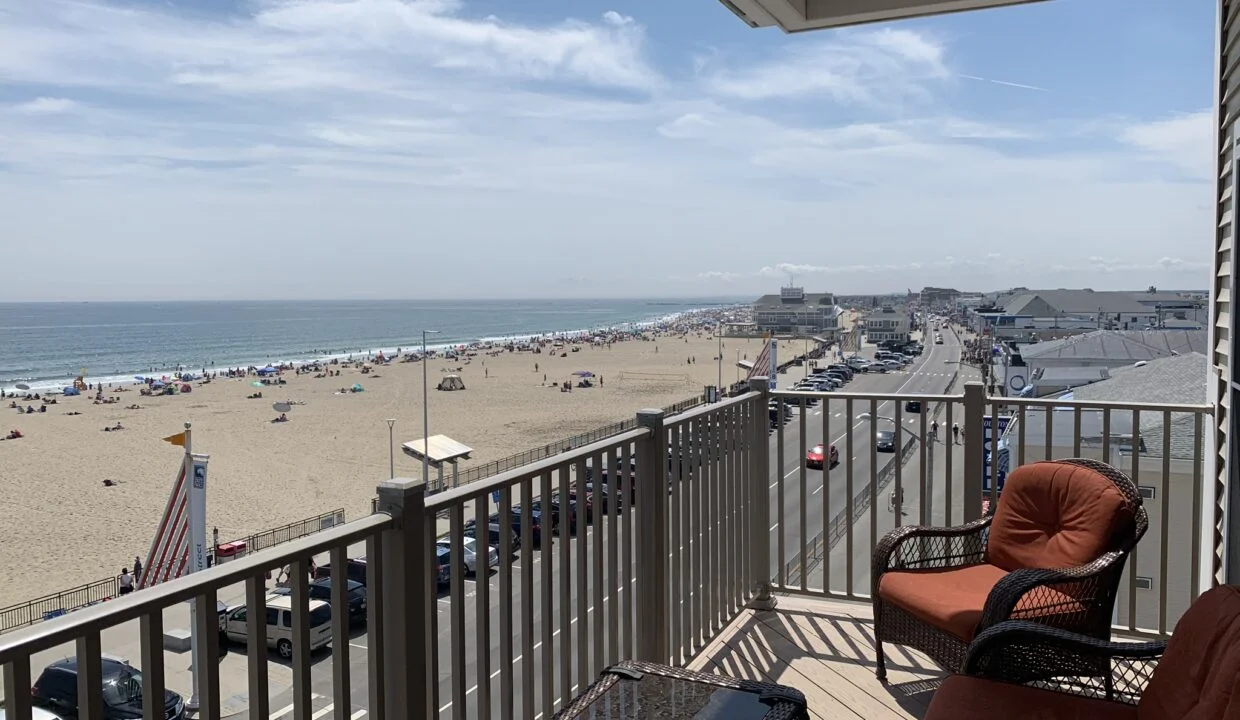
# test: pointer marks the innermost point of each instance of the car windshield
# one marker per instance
(123, 689)
(321, 615)
(885, 436)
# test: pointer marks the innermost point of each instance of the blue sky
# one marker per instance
(560, 148)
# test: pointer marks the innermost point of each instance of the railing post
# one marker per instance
(653, 593)
(974, 442)
(405, 607)
(760, 498)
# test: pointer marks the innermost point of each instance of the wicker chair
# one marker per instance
(1052, 553)
(1020, 670)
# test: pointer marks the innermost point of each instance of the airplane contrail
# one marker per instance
(1005, 82)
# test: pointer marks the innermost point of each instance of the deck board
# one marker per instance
(825, 649)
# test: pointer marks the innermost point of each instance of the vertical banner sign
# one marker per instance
(198, 513)
(774, 372)
(996, 457)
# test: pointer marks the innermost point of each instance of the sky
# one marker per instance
(286, 149)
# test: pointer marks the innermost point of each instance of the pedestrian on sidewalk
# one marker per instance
(125, 581)
(956, 433)
(137, 568)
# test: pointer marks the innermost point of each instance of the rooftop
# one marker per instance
(805, 300)
(1124, 345)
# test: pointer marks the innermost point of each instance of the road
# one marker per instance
(795, 487)
(929, 374)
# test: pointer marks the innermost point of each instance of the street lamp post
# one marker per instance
(927, 501)
(391, 449)
(719, 387)
(426, 415)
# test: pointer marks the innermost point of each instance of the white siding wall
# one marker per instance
(1224, 387)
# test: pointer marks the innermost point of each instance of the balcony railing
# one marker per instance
(645, 545)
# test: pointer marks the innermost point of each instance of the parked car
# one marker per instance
(885, 441)
(279, 618)
(493, 534)
(515, 519)
(37, 713)
(355, 571)
(470, 546)
(913, 406)
(443, 561)
(321, 589)
(816, 456)
(56, 690)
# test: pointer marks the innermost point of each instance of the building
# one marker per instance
(1169, 457)
(933, 297)
(796, 312)
(886, 325)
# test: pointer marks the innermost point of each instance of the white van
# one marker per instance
(280, 624)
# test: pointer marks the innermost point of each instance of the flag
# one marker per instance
(178, 439)
(169, 554)
(762, 364)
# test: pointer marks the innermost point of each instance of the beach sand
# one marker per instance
(65, 528)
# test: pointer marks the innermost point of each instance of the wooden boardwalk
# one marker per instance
(825, 649)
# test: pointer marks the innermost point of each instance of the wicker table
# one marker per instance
(632, 690)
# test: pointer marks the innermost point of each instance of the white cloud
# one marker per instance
(427, 133)
(1184, 140)
(46, 106)
(854, 68)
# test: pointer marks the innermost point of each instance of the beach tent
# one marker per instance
(357, 387)
(451, 382)
(266, 371)
(72, 391)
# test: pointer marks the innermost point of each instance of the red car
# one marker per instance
(815, 456)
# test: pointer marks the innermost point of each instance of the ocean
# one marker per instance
(44, 345)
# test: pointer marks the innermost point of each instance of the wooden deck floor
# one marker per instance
(825, 649)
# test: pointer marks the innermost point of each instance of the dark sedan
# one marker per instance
(885, 441)
(322, 590)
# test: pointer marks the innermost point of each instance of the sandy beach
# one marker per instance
(67, 528)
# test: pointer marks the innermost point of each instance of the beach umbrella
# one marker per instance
(139, 378)
(281, 407)
(357, 387)
(256, 384)
(22, 386)
(584, 373)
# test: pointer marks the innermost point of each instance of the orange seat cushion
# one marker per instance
(1057, 515)
(952, 599)
(1198, 677)
(968, 698)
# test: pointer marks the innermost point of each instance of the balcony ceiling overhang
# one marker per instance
(802, 15)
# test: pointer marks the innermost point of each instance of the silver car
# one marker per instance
(470, 547)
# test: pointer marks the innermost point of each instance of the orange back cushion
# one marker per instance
(1198, 677)
(1055, 515)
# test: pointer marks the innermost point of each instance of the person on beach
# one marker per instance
(126, 581)
(137, 568)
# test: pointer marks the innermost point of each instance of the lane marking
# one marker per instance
(282, 712)
(357, 715)
(324, 711)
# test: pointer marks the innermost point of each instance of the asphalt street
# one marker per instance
(798, 501)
